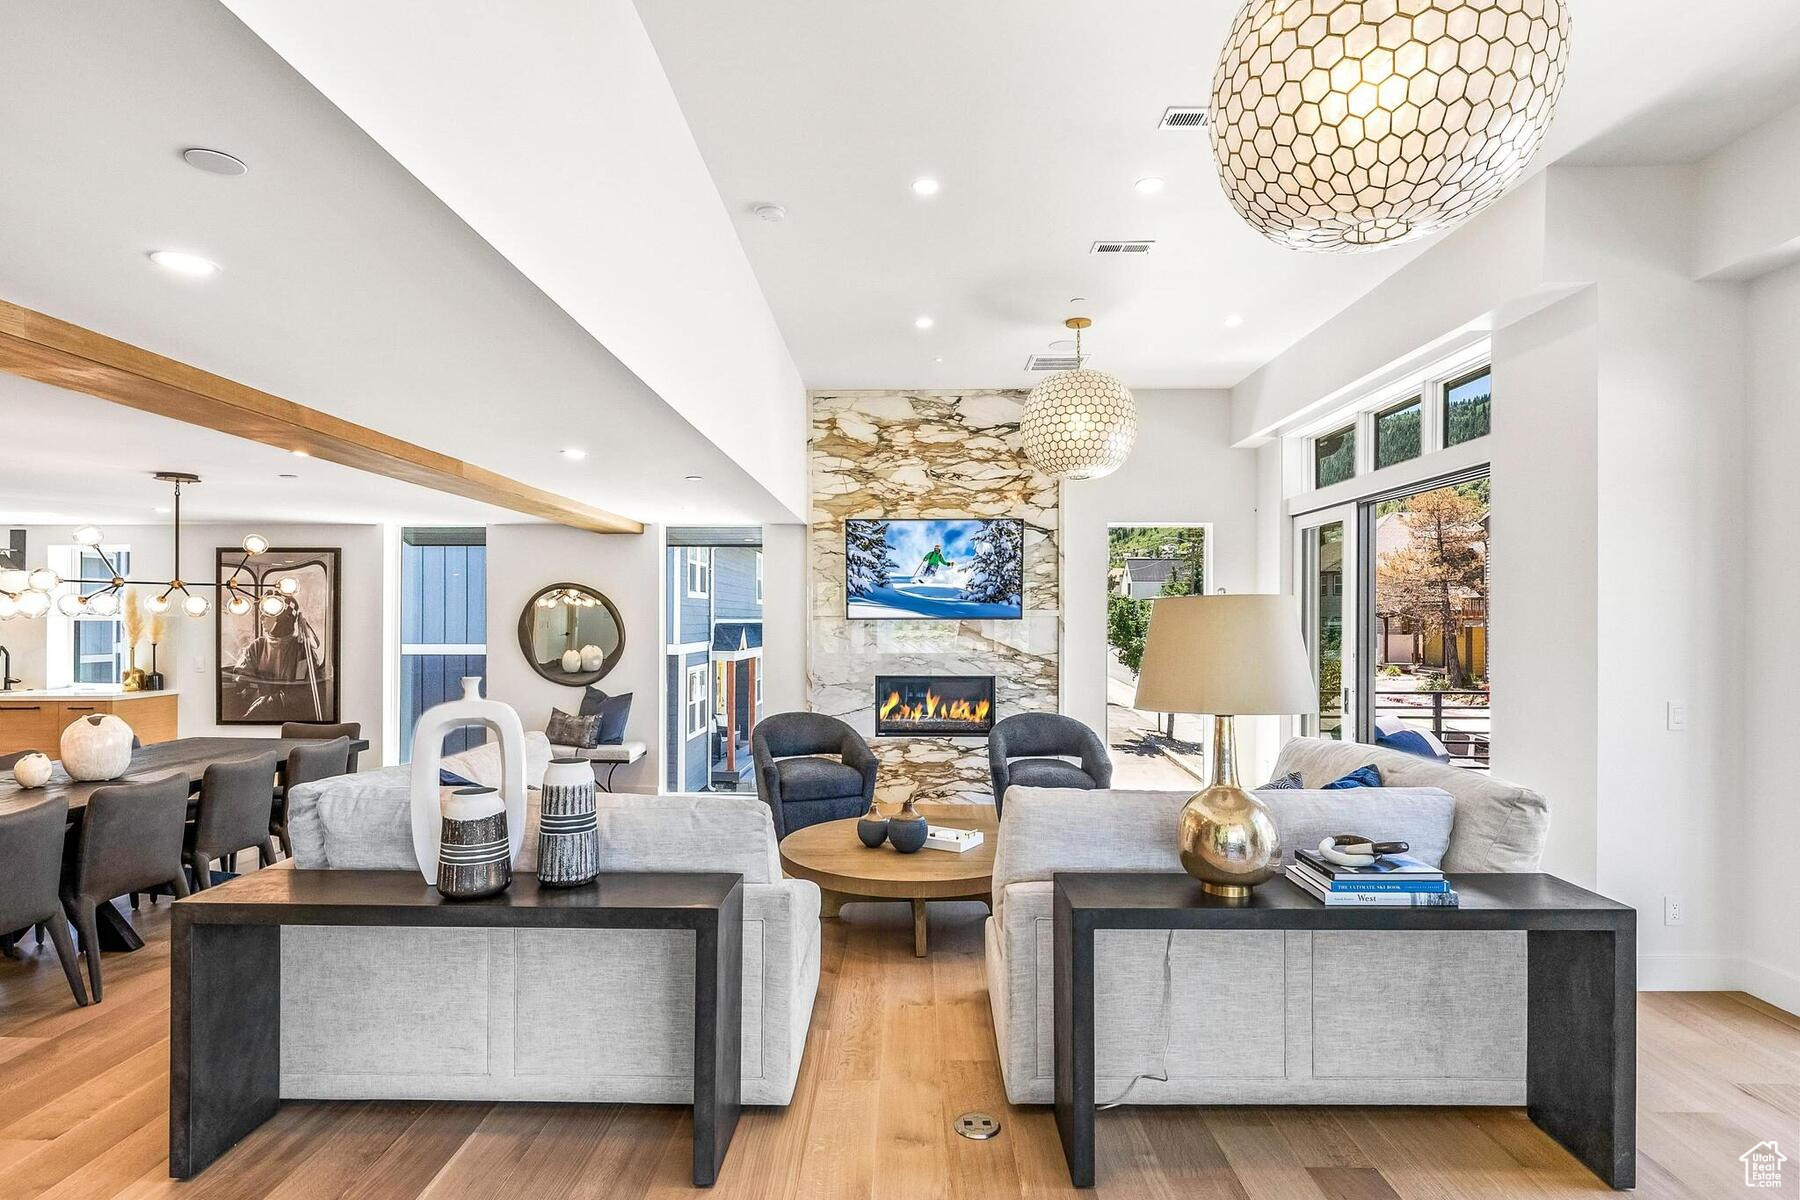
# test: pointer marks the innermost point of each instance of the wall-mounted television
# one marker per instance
(945, 570)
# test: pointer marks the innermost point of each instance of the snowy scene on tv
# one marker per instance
(968, 570)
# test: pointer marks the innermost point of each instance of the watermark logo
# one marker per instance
(1762, 1165)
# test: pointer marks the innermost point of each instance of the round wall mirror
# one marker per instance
(571, 634)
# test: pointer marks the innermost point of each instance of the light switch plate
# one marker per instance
(1677, 717)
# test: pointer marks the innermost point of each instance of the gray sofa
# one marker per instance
(1272, 1017)
(573, 1015)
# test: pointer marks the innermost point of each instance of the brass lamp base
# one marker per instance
(1228, 841)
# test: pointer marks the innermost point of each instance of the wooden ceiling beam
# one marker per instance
(68, 356)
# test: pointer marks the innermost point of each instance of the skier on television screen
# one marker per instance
(932, 563)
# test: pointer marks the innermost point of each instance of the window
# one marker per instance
(759, 585)
(443, 626)
(696, 700)
(1468, 407)
(1397, 433)
(759, 677)
(99, 653)
(1334, 457)
(699, 572)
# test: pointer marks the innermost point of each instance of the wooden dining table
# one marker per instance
(190, 756)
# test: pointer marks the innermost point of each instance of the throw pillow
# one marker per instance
(1286, 783)
(591, 700)
(565, 729)
(1362, 777)
(613, 713)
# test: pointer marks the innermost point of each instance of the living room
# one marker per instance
(876, 486)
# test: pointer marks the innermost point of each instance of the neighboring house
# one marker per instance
(1144, 578)
(713, 612)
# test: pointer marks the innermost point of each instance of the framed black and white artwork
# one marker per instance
(281, 666)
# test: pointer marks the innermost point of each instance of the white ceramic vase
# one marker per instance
(32, 771)
(568, 832)
(571, 661)
(428, 753)
(592, 657)
(96, 747)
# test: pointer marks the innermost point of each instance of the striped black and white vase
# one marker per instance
(474, 859)
(568, 832)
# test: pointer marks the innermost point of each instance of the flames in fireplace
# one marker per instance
(935, 708)
(951, 705)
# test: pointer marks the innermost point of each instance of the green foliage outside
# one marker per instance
(1334, 457)
(1468, 411)
(1397, 437)
(1128, 620)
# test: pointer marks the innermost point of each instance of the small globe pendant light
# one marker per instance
(1079, 424)
(1343, 125)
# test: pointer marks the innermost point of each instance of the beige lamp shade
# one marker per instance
(1226, 656)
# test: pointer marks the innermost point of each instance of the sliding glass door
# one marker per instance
(1326, 574)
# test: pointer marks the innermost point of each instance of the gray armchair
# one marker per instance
(802, 789)
(1032, 749)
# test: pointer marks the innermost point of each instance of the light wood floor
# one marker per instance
(899, 1046)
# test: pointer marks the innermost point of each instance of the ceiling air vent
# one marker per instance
(1051, 362)
(1140, 246)
(1183, 116)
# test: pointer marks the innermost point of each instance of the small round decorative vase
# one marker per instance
(96, 747)
(568, 830)
(1228, 840)
(571, 661)
(32, 771)
(907, 829)
(873, 828)
(136, 679)
(474, 858)
(592, 657)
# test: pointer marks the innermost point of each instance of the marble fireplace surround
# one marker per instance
(907, 454)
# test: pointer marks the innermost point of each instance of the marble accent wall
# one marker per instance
(902, 455)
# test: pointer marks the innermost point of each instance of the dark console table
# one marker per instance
(1581, 992)
(225, 968)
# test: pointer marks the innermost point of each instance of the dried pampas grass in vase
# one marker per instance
(131, 616)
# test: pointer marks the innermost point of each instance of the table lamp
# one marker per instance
(1227, 656)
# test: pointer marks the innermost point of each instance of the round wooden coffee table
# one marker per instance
(831, 855)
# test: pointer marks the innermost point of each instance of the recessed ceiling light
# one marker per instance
(286, 475)
(1149, 185)
(924, 323)
(925, 187)
(693, 478)
(161, 508)
(1234, 320)
(215, 162)
(772, 213)
(183, 263)
(300, 453)
(937, 360)
(574, 453)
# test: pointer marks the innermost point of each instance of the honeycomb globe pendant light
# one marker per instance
(1341, 125)
(1079, 424)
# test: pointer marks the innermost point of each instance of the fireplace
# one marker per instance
(944, 705)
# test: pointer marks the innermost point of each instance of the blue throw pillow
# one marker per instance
(1290, 782)
(591, 700)
(614, 712)
(452, 779)
(1362, 777)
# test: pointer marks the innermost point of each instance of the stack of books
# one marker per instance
(1392, 879)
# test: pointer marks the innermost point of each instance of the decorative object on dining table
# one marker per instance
(1354, 850)
(33, 770)
(279, 653)
(568, 826)
(474, 858)
(96, 747)
(427, 756)
(907, 830)
(571, 634)
(1226, 656)
(872, 827)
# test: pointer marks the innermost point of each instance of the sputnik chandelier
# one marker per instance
(1343, 125)
(1079, 424)
(32, 593)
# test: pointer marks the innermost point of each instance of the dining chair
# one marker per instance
(324, 732)
(130, 840)
(236, 800)
(305, 764)
(31, 846)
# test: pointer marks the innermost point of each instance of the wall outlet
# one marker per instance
(1672, 910)
(1677, 717)
(199, 664)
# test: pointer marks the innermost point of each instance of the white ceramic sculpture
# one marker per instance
(428, 753)
(592, 657)
(571, 661)
(96, 747)
(32, 771)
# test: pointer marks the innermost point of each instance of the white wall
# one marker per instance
(784, 664)
(1182, 471)
(189, 661)
(1771, 828)
(1747, 222)
(628, 569)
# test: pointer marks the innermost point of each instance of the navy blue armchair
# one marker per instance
(800, 787)
(1033, 749)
